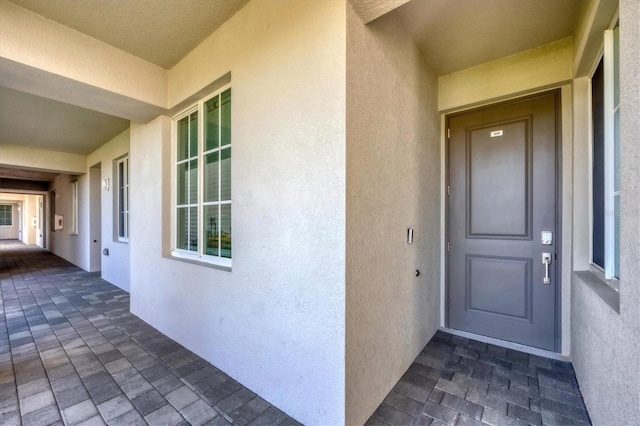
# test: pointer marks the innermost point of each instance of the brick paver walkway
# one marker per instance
(458, 381)
(72, 353)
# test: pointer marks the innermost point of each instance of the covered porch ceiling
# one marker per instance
(452, 34)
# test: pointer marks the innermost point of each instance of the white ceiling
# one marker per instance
(159, 31)
(458, 34)
(37, 122)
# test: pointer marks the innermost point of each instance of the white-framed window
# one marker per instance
(202, 178)
(6, 215)
(122, 198)
(74, 208)
(605, 167)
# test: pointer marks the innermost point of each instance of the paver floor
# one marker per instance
(72, 353)
(458, 381)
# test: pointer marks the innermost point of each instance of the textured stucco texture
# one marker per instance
(276, 322)
(605, 343)
(393, 183)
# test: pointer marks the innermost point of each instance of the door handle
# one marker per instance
(546, 261)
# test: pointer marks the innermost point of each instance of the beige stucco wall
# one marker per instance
(605, 343)
(115, 266)
(76, 248)
(276, 322)
(11, 232)
(30, 212)
(28, 204)
(393, 183)
(23, 157)
(62, 242)
(518, 74)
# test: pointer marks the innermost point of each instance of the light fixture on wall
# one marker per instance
(105, 184)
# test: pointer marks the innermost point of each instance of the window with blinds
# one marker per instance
(202, 170)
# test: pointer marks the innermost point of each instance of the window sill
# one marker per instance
(195, 261)
(603, 289)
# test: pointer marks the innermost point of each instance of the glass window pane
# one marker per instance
(182, 228)
(121, 198)
(211, 230)
(225, 230)
(183, 183)
(616, 254)
(5, 215)
(211, 178)
(225, 174)
(597, 104)
(193, 135)
(121, 225)
(226, 117)
(212, 122)
(183, 138)
(193, 228)
(616, 150)
(193, 181)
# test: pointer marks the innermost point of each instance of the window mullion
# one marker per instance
(127, 201)
(219, 208)
(201, 165)
(126, 198)
(190, 186)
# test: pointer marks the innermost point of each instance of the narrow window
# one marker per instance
(605, 101)
(6, 215)
(74, 207)
(122, 181)
(203, 180)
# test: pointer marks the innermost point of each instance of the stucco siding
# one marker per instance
(543, 67)
(11, 232)
(605, 343)
(393, 183)
(276, 322)
(115, 266)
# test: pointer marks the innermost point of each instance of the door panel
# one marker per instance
(509, 296)
(502, 174)
(491, 166)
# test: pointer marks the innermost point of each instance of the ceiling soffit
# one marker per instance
(159, 31)
(455, 35)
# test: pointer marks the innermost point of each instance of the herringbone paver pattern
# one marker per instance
(458, 381)
(72, 353)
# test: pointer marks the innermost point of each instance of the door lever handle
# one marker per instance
(546, 261)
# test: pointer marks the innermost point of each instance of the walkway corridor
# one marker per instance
(72, 353)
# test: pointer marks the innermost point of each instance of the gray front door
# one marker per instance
(502, 178)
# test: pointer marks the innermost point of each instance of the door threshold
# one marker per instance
(509, 345)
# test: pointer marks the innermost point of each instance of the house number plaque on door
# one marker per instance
(496, 133)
